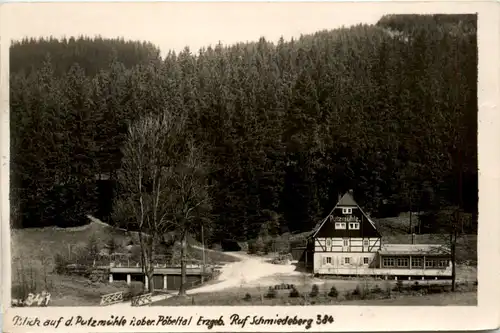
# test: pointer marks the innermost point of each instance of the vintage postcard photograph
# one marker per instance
(229, 167)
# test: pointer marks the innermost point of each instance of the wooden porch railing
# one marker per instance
(112, 298)
(142, 300)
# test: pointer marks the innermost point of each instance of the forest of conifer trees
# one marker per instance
(388, 110)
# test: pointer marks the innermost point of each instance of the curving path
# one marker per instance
(249, 270)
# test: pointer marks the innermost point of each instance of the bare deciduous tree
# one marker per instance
(451, 219)
(150, 153)
(164, 185)
(190, 201)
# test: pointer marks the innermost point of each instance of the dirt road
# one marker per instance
(248, 271)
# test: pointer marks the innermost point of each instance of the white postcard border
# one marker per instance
(347, 318)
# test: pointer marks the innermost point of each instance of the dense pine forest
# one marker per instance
(388, 110)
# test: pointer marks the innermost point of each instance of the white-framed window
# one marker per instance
(346, 241)
(328, 260)
(443, 263)
(346, 211)
(366, 260)
(416, 262)
(429, 263)
(347, 260)
(402, 262)
(366, 243)
(388, 262)
(354, 225)
(340, 225)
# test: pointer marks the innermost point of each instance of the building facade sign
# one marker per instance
(346, 219)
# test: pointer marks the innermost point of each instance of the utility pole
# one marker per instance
(457, 219)
(203, 246)
(411, 213)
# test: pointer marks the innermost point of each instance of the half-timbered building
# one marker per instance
(347, 242)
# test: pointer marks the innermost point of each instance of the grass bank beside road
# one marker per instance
(345, 293)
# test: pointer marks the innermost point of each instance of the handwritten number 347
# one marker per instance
(39, 299)
(325, 319)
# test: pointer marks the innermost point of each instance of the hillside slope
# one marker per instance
(33, 253)
(45, 243)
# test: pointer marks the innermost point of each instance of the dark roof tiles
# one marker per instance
(347, 200)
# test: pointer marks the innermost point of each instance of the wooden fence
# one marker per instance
(112, 298)
(142, 300)
(127, 260)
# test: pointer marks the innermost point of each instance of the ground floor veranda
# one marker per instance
(406, 266)
(163, 278)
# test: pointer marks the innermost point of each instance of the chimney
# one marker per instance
(351, 192)
(339, 197)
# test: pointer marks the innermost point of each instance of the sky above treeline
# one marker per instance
(172, 26)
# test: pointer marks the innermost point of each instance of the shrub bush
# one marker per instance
(281, 245)
(135, 253)
(260, 246)
(416, 286)
(135, 288)
(92, 247)
(60, 264)
(247, 297)
(377, 290)
(388, 289)
(361, 291)
(399, 286)
(218, 247)
(437, 289)
(294, 293)
(112, 244)
(348, 295)
(268, 246)
(254, 247)
(333, 292)
(271, 293)
(314, 291)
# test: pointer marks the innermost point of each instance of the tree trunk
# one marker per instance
(150, 279)
(147, 260)
(153, 247)
(182, 288)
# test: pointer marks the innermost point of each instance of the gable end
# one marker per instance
(346, 211)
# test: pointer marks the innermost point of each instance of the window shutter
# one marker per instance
(324, 260)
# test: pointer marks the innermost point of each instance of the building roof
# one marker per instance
(346, 200)
(414, 249)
